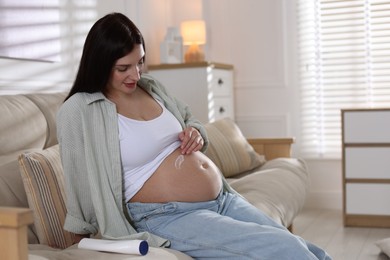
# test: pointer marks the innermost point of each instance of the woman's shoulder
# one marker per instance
(146, 77)
(148, 82)
(152, 85)
(83, 98)
(80, 101)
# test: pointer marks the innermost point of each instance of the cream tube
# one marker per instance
(135, 247)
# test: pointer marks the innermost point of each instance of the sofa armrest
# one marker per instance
(13, 232)
(272, 148)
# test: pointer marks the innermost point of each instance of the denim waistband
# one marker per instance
(138, 210)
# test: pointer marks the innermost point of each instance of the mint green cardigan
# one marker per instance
(87, 130)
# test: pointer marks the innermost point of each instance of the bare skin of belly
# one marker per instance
(195, 179)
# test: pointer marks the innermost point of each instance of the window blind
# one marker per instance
(344, 48)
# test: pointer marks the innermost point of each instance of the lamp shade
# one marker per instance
(193, 32)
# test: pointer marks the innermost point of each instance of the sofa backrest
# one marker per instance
(27, 122)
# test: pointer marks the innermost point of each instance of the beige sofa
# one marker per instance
(31, 185)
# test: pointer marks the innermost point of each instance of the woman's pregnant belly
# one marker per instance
(184, 178)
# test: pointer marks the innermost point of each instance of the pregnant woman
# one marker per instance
(134, 167)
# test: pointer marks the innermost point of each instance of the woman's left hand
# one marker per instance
(191, 140)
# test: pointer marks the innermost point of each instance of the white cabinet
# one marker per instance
(207, 87)
(366, 167)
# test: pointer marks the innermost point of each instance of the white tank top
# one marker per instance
(144, 145)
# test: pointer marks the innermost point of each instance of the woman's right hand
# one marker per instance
(191, 139)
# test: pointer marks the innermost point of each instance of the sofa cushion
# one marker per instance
(278, 188)
(49, 103)
(44, 184)
(22, 125)
(229, 149)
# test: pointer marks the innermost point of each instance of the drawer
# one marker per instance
(367, 162)
(367, 199)
(221, 82)
(220, 108)
(369, 126)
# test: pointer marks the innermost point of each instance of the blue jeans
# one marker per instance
(225, 228)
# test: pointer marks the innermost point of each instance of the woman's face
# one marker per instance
(126, 72)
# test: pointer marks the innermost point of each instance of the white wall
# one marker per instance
(257, 36)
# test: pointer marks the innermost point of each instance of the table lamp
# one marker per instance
(194, 34)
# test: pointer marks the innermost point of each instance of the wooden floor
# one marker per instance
(325, 228)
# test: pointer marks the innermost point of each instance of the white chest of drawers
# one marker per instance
(366, 167)
(207, 87)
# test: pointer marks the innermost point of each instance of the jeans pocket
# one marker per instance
(151, 216)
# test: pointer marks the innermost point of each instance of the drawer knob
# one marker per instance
(220, 82)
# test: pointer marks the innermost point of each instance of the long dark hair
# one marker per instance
(110, 38)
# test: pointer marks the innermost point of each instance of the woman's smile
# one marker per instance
(130, 85)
